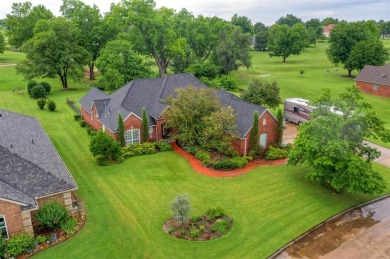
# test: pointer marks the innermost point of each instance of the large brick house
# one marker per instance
(101, 110)
(31, 173)
(374, 80)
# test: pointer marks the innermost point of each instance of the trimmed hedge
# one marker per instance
(145, 148)
(274, 153)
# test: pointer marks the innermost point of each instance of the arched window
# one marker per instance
(3, 227)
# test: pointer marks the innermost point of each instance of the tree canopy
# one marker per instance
(261, 93)
(243, 22)
(2, 42)
(284, 41)
(332, 146)
(54, 51)
(289, 20)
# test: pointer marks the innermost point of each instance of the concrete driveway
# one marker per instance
(290, 132)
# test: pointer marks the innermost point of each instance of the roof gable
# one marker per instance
(375, 74)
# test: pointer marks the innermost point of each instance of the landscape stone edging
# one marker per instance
(280, 250)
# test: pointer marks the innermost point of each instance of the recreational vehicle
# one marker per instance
(297, 110)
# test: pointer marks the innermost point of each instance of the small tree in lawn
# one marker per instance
(181, 208)
(104, 148)
(145, 126)
(121, 131)
(254, 137)
(280, 127)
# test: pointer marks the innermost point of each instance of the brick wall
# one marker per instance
(369, 88)
(94, 121)
(13, 217)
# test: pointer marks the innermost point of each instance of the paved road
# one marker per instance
(291, 131)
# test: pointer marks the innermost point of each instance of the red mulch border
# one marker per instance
(198, 166)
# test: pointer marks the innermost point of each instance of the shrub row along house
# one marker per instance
(374, 80)
(101, 110)
(31, 173)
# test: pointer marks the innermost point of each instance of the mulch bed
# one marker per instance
(198, 166)
(61, 236)
(173, 228)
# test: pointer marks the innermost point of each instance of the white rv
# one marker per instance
(297, 110)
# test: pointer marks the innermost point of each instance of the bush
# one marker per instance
(46, 86)
(216, 212)
(77, 117)
(69, 225)
(38, 92)
(238, 161)
(231, 152)
(127, 154)
(181, 208)
(41, 239)
(20, 243)
(171, 230)
(274, 153)
(140, 148)
(102, 161)
(2, 246)
(194, 232)
(220, 226)
(235, 162)
(41, 103)
(202, 227)
(104, 148)
(51, 215)
(195, 219)
(203, 156)
(163, 146)
(51, 105)
(30, 85)
(228, 82)
(192, 150)
(83, 124)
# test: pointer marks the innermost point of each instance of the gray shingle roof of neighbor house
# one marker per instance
(151, 93)
(30, 166)
(375, 74)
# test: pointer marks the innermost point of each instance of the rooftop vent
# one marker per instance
(384, 75)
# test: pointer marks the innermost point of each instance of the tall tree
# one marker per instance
(243, 22)
(233, 49)
(345, 36)
(145, 126)
(89, 20)
(2, 42)
(54, 51)
(118, 64)
(329, 20)
(21, 21)
(261, 92)
(289, 20)
(367, 52)
(332, 146)
(121, 131)
(284, 41)
(384, 28)
(258, 27)
(254, 137)
(261, 40)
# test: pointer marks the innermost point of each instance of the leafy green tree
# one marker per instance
(261, 40)
(145, 126)
(51, 215)
(102, 146)
(261, 92)
(54, 51)
(332, 146)
(280, 127)
(284, 41)
(329, 20)
(188, 107)
(243, 22)
(289, 20)
(119, 63)
(21, 21)
(233, 49)
(121, 130)
(367, 52)
(2, 42)
(181, 208)
(254, 137)
(345, 36)
(258, 27)
(384, 28)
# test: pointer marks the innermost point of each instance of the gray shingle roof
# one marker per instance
(379, 75)
(30, 166)
(151, 92)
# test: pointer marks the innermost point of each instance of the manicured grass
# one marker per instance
(314, 62)
(128, 203)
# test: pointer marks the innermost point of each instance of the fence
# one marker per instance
(72, 105)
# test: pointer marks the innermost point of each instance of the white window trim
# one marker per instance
(266, 136)
(131, 140)
(5, 226)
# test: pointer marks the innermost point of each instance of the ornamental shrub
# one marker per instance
(30, 85)
(216, 212)
(38, 92)
(51, 215)
(77, 117)
(83, 124)
(140, 148)
(162, 146)
(181, 208)
(203, 156)
(51, 105)
(20, 243)
(274, 153)
(41, 103)
(2, 246)
(69, 225)
(104, 148)
(238, 161)
(41, 239)
(46, 86)
(235, 162)
(220, 225)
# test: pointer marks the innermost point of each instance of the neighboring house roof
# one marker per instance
(30, 166)
(151, 93)
(328, 28)
(379, 75)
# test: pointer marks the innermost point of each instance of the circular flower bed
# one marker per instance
(206, 227)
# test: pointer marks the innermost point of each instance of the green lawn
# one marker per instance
(128, 203)
(314, 62)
